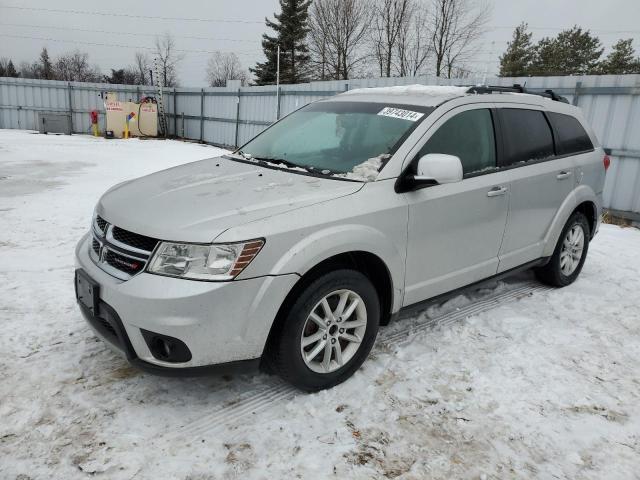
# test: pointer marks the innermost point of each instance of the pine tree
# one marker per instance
(621, 60)
(46, 67)
(571, 52)
(11, 70)
(516, 61)
(291, 29)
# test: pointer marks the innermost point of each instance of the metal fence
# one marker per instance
(232, 115)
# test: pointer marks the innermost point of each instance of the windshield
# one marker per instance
(336, 136)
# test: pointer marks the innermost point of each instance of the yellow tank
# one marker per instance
(144, 122)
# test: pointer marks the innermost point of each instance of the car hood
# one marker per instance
(198, 201)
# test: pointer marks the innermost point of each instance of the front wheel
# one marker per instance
(569, 255)
(328, 332)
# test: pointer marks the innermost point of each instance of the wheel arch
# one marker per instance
(582, 199)
(367, 263)
(590, 210)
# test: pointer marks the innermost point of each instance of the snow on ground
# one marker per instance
(545, 386)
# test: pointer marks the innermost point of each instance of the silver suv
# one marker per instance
(290, 252)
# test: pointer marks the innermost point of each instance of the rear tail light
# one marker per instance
(606, 161)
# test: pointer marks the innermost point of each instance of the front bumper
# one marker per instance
(219, 322)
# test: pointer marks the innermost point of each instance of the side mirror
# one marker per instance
(433, 169)
(439, 168)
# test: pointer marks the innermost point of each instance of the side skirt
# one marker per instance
(447, 295)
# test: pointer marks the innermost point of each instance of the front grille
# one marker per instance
(134, 239)
(108, 327)
(119, 252)
(102, 223)
(123, 263)
(95, 246)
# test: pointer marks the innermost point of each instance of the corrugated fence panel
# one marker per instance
(221, 114)
(233, 115)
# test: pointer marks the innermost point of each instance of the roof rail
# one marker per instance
(516, 88)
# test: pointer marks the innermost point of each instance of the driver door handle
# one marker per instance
(563, 175)
(496, 191)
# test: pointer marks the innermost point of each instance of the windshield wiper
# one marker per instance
(286, 163)
(282, 161)
(246, 156)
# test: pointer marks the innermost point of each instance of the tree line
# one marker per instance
(75, 66)
(341, 39)
(572, 52)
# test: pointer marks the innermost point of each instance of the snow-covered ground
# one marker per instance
(513, 381)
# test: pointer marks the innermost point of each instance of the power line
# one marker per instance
(134, 47)
(123, 33)
(128, 15)
(558, 29)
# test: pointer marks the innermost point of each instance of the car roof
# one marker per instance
(435, 95)
(424, 95)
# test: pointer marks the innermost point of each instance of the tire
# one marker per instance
(557, 272)
(296, 363)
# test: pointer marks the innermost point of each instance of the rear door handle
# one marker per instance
(563, 175)
(496, 191)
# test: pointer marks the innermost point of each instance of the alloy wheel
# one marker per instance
(333, 331)
(572, 248)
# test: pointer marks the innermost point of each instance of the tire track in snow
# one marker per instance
(461, 313)
(277, 390)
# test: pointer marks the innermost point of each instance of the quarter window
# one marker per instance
(527, 136)
(572, 138)
(469, 136)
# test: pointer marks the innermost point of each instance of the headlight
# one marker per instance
(216, 262)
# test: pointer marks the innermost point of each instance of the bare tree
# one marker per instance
(455, 26)
(222, 67)
(338, 32)
(414, 43)
(319, 53)
(169, 58)
(75, 66)
(141, 65)
(390, 18)
(29, 70)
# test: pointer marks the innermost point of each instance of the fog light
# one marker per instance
(166, 348)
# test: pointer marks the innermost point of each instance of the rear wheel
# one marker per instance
(328, 332)
(569, 255)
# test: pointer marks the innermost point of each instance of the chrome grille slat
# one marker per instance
(133, 240)
(125, 246)
(120, 257)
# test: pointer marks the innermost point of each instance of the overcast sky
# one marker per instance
(238, 25)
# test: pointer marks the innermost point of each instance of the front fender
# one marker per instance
(329, 242)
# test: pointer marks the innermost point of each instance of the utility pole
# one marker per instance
(486, 67)
(278, 85)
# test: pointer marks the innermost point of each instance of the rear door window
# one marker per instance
(527, 136)
(468, 135)
(572, 137)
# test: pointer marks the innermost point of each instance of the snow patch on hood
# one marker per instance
(366, 171)
(426, 90)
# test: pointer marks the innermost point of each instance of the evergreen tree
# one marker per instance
(571, 52)
(11, 70)
(516, 61)
(123, 76)
(291, 27)
(46, 67)
(622, 59)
